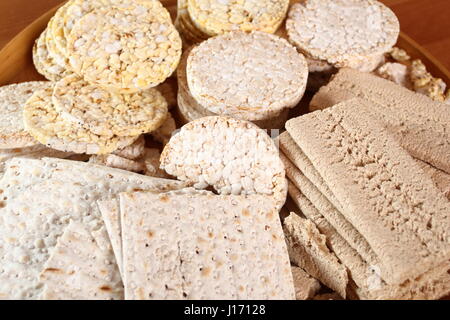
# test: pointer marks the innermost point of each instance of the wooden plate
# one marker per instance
(16, 63)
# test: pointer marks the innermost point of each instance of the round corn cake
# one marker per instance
(233, 156)
(44, 63)
(108, 113)
(345, 33)
(250, 76)
(128, 47)
(215, 17)
(44, 123)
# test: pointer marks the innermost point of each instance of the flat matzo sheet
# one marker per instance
(203, 246)
(38, 200)
(80, 268)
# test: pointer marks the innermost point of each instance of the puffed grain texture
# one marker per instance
(44, 123)
(233, 156)
(252, 84)
(345, 33)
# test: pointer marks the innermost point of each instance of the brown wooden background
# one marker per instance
(426, 21)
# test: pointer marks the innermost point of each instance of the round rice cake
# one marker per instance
(108, 113)
(128, 47)
(44, 63)
(190, 110)
(215, 17)
(342, 31)
(252, 84)
(56, 27)
(12, 100)
(44, 123)
(54, 52)
(233, 156)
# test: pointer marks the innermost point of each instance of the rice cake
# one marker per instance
(44, 63)
(79, 268)
(106, 113)
(39, 198)
(419, 123)
(12, 100)
(128, 47)
(215, 17)
(175, 231)
(233, 156)
(387, 198)
(252, 84)
(345, 33)
(46, 126)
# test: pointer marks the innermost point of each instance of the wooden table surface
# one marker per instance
(426, 21)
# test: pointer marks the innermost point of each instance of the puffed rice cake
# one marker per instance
(252, 84)
(233, 156)
(345, 33)
(12, 100)
(126, 47)
(214, 17)
(46, 126)
(190, 109)
(108, 113)
(44, 63)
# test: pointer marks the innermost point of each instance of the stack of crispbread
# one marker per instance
(377, 223)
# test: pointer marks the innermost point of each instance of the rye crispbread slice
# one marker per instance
(306, 286)
(307, 249)
(332, 214)
(387, 198)
(365, 280)
(203, 246)
(419, 123)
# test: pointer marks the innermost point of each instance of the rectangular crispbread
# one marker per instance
(365, 282)
(38, 200)
(384, 194)
(182, 245)
(331, 213)
(440, 178)
(306, 286)
(80, 269)
(307, 249)
(419, 123)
